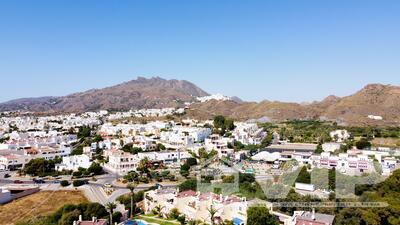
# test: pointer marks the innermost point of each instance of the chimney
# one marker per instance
(313, 214)
(94, 219)
(74, 223)
(80, 218)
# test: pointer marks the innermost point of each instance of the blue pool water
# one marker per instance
(134, 222)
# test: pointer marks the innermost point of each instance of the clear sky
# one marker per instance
(299, 50)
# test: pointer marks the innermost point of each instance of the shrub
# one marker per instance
(78, 183)
(64, 183)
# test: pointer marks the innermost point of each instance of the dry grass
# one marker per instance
(41, 203)
(387, 142)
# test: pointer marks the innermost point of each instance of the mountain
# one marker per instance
(374, 99)
(379, 100)
(140, 93)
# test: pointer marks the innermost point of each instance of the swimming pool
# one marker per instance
(134, 222)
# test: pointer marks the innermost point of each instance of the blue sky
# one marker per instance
(278, 50)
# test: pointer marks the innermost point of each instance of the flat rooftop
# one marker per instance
(301, 147)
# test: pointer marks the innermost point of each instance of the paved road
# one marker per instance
(93, 191)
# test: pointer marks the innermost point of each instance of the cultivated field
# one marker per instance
(41, 203)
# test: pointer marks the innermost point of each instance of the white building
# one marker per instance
(248, 133)
(74, 162)
(165, 156)
(12, 161)
(145, 143)
(218, 97)
(48, 152)
(373, 117)
(389, 164)
(331, 146)
(195, 206)
(185, 135)
(120, 162)
(339, 135)
(310, 218)
(353, 162)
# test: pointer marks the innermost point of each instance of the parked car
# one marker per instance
(18, 182)
(107, 185)
(38, 181)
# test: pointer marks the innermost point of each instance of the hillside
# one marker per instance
(140, 93)
(374, 99)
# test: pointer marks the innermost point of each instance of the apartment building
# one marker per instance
(120, 162)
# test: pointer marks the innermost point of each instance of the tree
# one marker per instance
(212, 211)
(117, 217)
(91, 210)
(70, 217)
(174, 213)
(143, 166)
(95, 169)
(84, 131)
(69, 213)
(223, 124)
(158, 210)
(39, 167)
(363, 144)
(133, 150)
(110, 208)
(304, 176)
(190, 184)
(160, 147)
(77, 150)
(229, 124)
(191, 161)
(219, 121)
(332, 179)
(132, 176)
(260, 216)
(319, 149)
(185, 170)
(267, 140)
(132, 187)
(97, 138)
(181, 219)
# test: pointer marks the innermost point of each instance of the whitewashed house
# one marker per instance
(74, 162)
(195, 205)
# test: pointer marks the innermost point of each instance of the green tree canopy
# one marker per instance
(260, 216)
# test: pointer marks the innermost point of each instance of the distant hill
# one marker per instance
(140, 93)
(374, 99)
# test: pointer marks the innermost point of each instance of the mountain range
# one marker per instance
(374, 99)
(135, 94)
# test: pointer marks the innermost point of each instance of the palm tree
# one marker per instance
(132, 187)
(110, 207)
(212, 211)
(158, 209)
